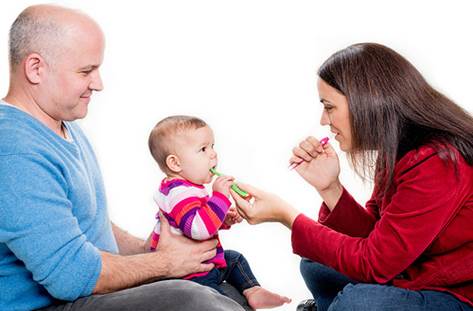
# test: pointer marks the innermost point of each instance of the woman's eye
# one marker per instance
(328, 108)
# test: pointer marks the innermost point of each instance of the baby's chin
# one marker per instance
(208, 180)
(202, 181)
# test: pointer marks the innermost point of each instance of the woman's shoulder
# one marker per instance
(445, 152)
(432, 152)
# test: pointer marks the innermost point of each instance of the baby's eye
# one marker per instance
(203, 149)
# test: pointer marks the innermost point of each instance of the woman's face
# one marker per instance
(335, 114)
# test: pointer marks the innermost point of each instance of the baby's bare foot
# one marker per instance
(260, 298)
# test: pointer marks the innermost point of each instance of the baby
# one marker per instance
(183, 147)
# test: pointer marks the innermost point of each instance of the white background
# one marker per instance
(248, 68)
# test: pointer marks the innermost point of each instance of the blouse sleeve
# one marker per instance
(426, 198)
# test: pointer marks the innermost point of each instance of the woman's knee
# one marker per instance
(311, 269)
(367, 297)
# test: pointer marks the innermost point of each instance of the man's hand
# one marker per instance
(181, 255)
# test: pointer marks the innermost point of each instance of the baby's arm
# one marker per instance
(199, 218)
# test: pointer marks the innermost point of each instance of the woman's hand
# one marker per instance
(318, 164)
(320, 167)
(264, 207)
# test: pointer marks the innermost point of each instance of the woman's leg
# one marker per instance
(370, 297)
(323, 282)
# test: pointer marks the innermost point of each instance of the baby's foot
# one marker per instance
(260, 298)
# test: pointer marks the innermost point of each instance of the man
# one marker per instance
(58, 249)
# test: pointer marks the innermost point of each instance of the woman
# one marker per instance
(411, 248)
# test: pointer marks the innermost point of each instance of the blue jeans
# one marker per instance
(334, 292)
(237, 273)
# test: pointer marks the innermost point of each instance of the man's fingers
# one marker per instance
(208, 245)
(164, 223)
(208, 255)
(206, 267)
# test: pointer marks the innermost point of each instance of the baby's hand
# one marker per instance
(222, 184)
(232, 217)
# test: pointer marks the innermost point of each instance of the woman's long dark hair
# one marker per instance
(393, 110)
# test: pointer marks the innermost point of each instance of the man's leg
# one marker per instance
(323, 282)
(170, 295)
(370, 297)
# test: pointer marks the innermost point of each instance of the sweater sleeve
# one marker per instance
(38, 227)
(200, 218)
(427, 196)
(349, 217)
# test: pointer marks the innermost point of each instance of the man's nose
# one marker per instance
(96, 83)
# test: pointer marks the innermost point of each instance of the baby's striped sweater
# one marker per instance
(190, 211)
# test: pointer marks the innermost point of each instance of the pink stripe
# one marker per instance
(209, 224)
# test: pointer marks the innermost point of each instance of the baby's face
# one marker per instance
(196, 154)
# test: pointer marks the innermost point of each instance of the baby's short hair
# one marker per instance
(162, 135)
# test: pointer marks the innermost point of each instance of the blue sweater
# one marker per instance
(53, 215)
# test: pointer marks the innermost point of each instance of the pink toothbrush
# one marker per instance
(323, 142)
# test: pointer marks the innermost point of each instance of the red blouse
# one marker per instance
(419, 236)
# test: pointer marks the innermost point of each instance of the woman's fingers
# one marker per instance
(301, 153)
(242, 204)
(308, 149)
(311, 146)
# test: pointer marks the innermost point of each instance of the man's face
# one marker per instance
(71, 78)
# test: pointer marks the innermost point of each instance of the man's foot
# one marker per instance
(260, 298)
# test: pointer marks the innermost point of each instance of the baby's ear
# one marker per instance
(173, 163)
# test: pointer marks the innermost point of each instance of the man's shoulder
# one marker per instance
(22, 134)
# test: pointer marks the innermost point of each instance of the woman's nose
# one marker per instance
(324, 118)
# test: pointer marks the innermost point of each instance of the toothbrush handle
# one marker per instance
(240, 192)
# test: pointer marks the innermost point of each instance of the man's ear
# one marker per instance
(34, 66)
(173, 163)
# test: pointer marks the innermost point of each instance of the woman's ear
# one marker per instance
(173, 163)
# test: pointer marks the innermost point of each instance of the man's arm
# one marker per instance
(128, 244)
(176, 256)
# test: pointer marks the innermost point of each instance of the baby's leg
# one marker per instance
(212, 279)
(239, 274)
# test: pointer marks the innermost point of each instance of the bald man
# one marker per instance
(58, 248)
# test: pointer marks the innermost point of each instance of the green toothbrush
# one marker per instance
(235, 188)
